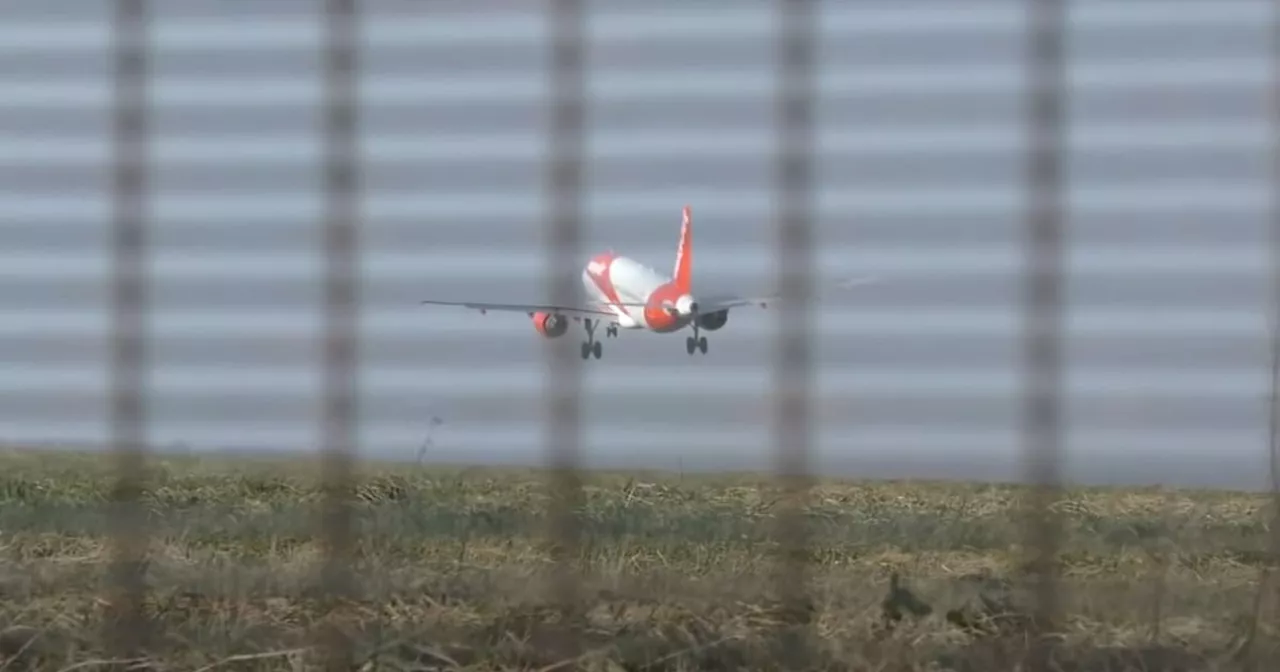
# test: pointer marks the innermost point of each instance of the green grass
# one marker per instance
(674, 572)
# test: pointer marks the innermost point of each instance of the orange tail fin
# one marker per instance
(683, 275)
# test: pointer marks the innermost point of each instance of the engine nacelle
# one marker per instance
(550, 325)
(713, 321)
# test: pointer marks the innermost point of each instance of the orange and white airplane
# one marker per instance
(625, 294)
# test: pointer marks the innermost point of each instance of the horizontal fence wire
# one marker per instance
(566, 169)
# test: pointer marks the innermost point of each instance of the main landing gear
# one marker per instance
(695, 342)
(591, 347)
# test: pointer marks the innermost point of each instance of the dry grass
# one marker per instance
(675, 572)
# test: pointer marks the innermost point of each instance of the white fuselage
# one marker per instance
(614, 280)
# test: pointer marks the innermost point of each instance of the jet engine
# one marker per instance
(713, 321)
(550, 325)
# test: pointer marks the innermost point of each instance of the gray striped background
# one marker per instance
(920, 175)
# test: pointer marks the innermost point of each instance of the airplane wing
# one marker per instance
(711, 304)
(588, 309)
(714, 303)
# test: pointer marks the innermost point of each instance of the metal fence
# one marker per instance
(1046, 109)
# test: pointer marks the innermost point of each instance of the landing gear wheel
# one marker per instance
(591, 346)
(702, 344)
(611, 331)
(689, 345)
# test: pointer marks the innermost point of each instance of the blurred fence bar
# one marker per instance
(563, 231)
(1267, 606)
(797, 28)
(129, 632)
(341, 180)
(1042, 395)
(1273, 264)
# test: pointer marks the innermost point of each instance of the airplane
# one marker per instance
(626, 294)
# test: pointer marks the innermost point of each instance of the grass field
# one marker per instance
(676, 571)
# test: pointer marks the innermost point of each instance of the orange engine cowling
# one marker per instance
(550, 325)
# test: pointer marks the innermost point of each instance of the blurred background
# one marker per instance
(921, 146)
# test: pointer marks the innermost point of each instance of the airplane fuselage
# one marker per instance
(657, 302)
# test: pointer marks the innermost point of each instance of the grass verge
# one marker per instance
(675, 572)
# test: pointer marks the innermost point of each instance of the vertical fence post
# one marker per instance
(127, 624)
(563, 231)
(791, 370)
(1266, 598)
(341, 181)
(1042, 424)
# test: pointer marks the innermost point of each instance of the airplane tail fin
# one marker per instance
(683, 274)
